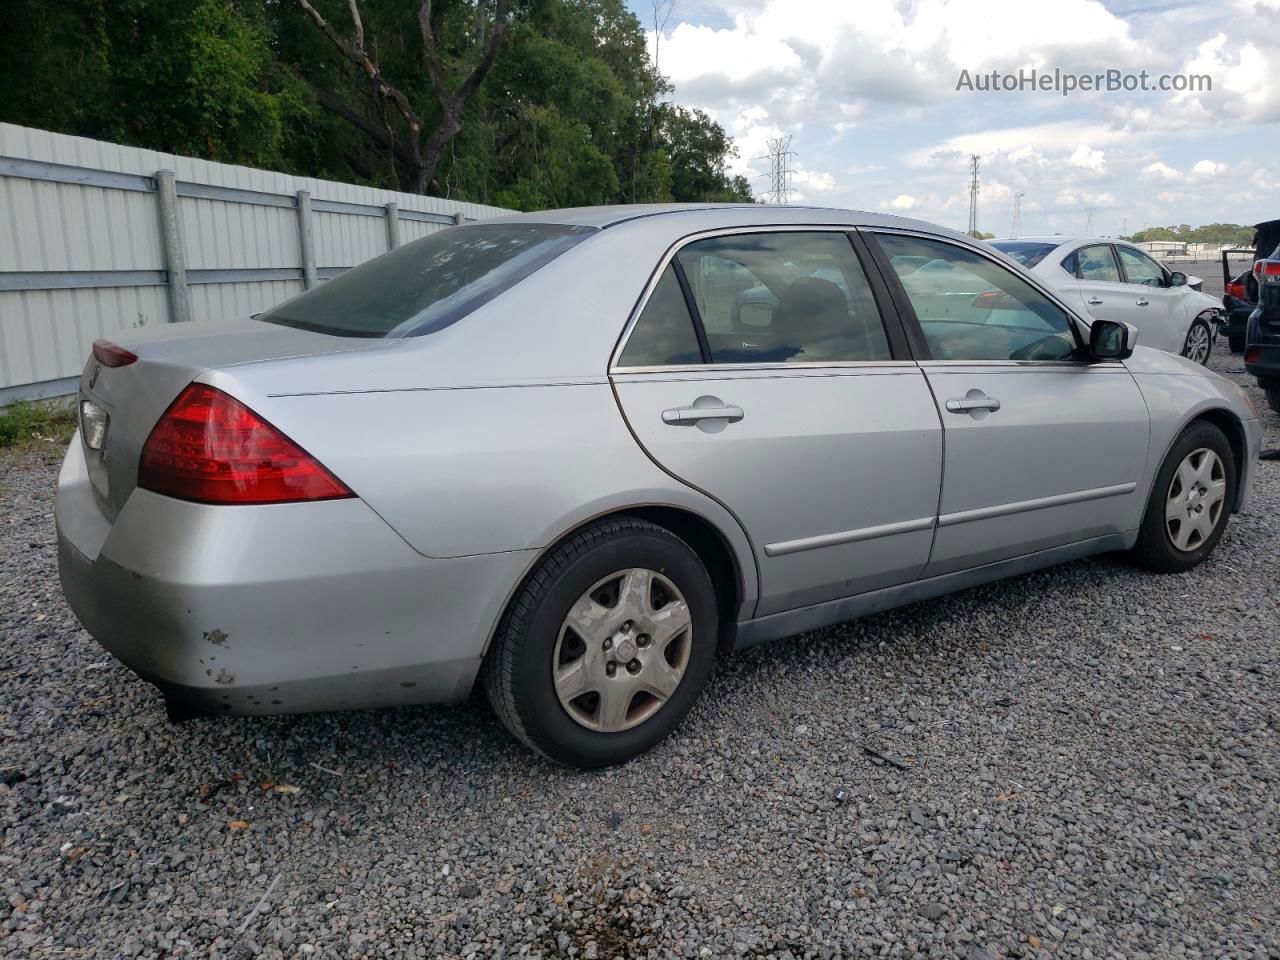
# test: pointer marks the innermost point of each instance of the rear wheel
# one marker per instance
(1236, 343)
(606, 645)
(1199, 342)
(1190, 503)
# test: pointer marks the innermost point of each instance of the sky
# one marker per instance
(868, 91)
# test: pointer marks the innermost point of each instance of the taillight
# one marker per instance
(112, 354)
(209, 447)
(1267, 271)
(1253, 355)
(1236, 290)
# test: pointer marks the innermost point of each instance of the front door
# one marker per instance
(760, 372)
(1042, 447)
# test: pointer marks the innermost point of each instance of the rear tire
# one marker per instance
(1198, 345)
(605, 646)
(1273, 398)
(1236, 343)
(1189, 503)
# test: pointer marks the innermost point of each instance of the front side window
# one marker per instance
(1139, 268)
(977, 309)
(663, 335)
(784, 298)
(429, 284)
(1097, 263)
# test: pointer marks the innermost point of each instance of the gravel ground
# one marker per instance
(1084, 762)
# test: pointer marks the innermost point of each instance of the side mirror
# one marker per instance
(1109, 340)
(1177, 279)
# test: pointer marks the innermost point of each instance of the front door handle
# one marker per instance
(1143, 302)
(973, 401)
(688, 416)
(1094, 301)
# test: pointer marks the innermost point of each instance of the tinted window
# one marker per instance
(1026, 252)
(1097, 263)
(428, 284)
(978, 310)
(1070, 263)
(664, 334)
(784, 297)
(1139, 268)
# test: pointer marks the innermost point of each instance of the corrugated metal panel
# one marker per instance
(53, 224)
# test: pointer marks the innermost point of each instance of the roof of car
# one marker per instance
(730, 214)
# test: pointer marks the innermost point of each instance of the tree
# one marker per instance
(420, 157)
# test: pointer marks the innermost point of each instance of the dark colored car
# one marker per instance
(1262, 348)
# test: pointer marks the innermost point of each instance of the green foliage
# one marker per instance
(570, 114)
(1230, 234)
(981, 235)
(20, 422)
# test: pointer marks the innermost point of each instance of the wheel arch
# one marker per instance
(1230, 424)
(734, 584)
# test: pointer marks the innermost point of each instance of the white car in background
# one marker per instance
(1113, 280)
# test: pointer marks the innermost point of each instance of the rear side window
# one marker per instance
(784, 298)
(430, 283)
(1097, 263)
(664, 334)
(1026, 252)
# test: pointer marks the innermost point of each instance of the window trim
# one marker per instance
(1115, 261)
(912, 323)
(895, 330)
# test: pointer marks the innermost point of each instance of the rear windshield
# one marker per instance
(1026, 252)
(428, 284)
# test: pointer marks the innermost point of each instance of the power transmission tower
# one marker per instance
(1124, 227)
(1088, 229)
(973, 195)
(780, 155)
(1017, 215)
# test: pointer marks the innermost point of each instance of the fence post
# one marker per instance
(306, 240)
(393, 225)
(459, 219)
(175, 258)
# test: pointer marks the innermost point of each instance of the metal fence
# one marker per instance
(99, 238)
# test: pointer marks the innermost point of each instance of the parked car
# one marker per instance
(1116, 281)
(1262, 349)
(536, 453)
(1240, 296)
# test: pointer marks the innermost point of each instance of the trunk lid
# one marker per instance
(134, 396)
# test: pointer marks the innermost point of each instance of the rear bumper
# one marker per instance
(274, 609)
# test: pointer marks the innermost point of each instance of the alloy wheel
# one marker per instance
(1198, 344)
(1197, 495)
(623, 650)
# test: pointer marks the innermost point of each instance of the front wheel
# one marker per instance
(1199, 342)
(1189, 505)
(606, 645)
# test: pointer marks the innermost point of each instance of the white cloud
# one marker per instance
(903, 201)
(1087, 158)
(1207, 168)
(1160, 171)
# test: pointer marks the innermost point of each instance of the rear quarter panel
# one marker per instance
(466, 471)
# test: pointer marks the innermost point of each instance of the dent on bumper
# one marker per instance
(276, 609)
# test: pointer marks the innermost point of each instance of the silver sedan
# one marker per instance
(576, 456)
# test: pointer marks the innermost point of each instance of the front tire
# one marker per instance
(1190, 502)
(606, 645)
(1199, 343)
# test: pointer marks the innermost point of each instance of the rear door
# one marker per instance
(1097, 283)
(762, 370)
(1042, 447)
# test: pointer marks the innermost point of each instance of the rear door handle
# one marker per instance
(687, 416)
(970, 404)
(1094, 301)
(1143, 302)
